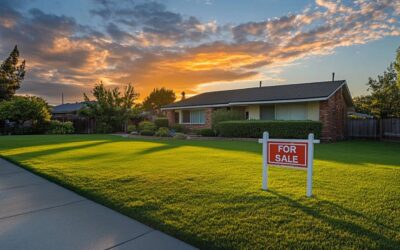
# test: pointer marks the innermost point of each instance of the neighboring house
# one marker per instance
(70, 112)
(328, 102)
(67, 111)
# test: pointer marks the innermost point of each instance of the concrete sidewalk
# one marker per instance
(38, 214)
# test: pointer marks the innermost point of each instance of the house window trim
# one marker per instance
(190, 123)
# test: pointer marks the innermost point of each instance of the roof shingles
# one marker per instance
(262, 94)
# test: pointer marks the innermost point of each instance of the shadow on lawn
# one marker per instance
(50, 151)
(344, 225)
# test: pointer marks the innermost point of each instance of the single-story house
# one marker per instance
(67, 111)
(328, 102)
(70, 112)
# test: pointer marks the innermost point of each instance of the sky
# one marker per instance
(196, 45)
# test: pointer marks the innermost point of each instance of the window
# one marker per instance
(176, 117)
(185, 116)
(193, 116)
(267, 112)
(247, 115)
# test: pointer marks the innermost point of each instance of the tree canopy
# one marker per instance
(158, 98)
(111, 109)
(384, 98)
(20, 109)
(11, 75)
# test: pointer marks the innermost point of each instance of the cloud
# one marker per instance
(150, 46)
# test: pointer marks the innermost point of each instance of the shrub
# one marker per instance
(163, 132)
(131, 128)
(276, 129)
(178, 128)
(147, 125)
(221, 115)
(179, 136)
(161, 122)
(206, 132)
(57, 127)
(147, 132)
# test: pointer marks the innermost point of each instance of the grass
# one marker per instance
(208, 193)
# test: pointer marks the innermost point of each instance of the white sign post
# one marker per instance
(288, 153)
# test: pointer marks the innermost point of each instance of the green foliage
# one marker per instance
(163, 132)
(111, 109)
(221, 115)
(161, 122)
(58, 127)
(158, 98)
(20, 109)
(363, 104)
(131, 128)
(11, 75)
(147, 132)
(385, 94)
(276, 129)
(397, 66)
(208, 192)
(147, 125)
(384, 100)
(178, 128)
(207, 132)
(179, 136)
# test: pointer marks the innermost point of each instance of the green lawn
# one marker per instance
(208, 193)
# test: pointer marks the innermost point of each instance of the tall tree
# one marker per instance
(111, 109)
(11, 75)
(384, 100)
(158, 98)
(397, 66)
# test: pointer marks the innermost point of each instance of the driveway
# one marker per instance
(38, 214)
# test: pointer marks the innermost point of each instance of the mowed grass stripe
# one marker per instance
(208, 193)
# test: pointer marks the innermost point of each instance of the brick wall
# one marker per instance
(171, 117)
(332, 114)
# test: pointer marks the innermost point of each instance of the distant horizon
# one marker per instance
(196, 46)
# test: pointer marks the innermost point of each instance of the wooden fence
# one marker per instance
(374, 128)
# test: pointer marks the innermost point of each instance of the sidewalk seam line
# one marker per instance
(42, 209)
(134, 238)
(22, 186)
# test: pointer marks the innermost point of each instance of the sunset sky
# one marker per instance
(196, 45)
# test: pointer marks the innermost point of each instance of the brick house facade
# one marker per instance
(327, 102)
(332, 114)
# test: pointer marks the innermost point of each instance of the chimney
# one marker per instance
(333, 76)
(260, 84)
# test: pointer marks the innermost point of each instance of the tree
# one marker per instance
(11, 75)
(20, 109)
(385, 94)
(363, 104)
(397, 66)
(111, 110)
(158, 98)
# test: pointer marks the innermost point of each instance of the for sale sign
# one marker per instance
(287, 154)
(292, 153)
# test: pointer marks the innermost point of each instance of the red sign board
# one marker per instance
(292, 154)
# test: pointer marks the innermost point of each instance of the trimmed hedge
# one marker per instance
(162, 132)
(147, 125)
(206, 132)
(276, 129)
(161, 122)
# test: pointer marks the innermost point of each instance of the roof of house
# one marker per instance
(68, 108)
(315, 91)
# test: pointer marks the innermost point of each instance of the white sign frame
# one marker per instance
(310, 159)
